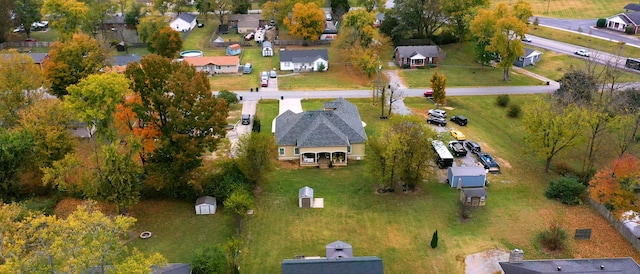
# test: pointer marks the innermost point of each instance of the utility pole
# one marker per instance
(376, 90)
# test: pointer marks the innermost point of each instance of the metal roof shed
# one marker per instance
(305, 197)
(206, 205)
(474, 176)
(339, 249)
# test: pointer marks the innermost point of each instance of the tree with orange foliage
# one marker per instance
(127, 122)
(614, 186)
(165, 42)
(307, 22)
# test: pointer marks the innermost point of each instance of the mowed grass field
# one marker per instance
(576, 9)
(397, 227)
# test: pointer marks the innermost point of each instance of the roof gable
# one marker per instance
(410, 51)
(530, 53)
(303, 56)
(633, 17)
(338, 124)
(355, 265)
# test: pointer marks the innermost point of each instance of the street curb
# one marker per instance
(589, 35)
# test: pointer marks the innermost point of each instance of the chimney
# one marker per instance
(516, 256)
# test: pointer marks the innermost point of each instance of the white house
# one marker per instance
(184, 22)
(304, 60)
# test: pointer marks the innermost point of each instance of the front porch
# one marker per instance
(324, 159)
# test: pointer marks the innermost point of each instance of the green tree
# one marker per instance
(438, 85)
(241, 6)
(204, 7)
(71, 61)
(421, 17)
(150, 25)
(434, 240)
(94, 99)
(230, 97)
(98, 12)
(189, 120)
(624, 130)
(339, 7)
(239, 202)
(210, 260)
(133, 15)
(402, 152)
(566, 189)
(16, 148)
(66, 16)
(577, 87)
(225, 176)
(256, 156)
(162, 6)
(503, 28)
(19, 80)
(220, 8)
(307, 21)
(6, 7)
(552, 128)
(461, 12)
(370, 5)
(166, 42)
(27, 12)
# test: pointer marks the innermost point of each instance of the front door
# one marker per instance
(306, 202)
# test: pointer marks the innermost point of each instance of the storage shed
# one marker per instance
(339, 249)
(305, 197)
(234, 49)
(476, 196)
(461, 177)
(267, 49)
(206, 205)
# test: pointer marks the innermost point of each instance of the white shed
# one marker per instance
(206, 205)
(305, 197)
(267, 49)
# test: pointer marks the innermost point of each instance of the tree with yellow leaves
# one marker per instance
(307, 21)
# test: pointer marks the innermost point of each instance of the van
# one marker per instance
(246, 119)
(247, 68)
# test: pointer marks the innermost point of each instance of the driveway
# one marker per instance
(248, 107)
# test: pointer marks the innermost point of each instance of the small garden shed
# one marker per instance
(206, 205)
(475, 196)
(461, 177)
(234, 49)
(305, 197)
(267, 49)
(339, 249)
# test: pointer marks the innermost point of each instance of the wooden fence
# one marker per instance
(619, 226)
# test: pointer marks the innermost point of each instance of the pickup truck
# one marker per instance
(488, 162)
(457, 148)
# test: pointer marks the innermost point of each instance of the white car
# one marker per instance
(328, 17)
(437, 113)
(582, 52)
(526, 39)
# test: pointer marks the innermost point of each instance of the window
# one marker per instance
(281, 151)
(296, 151)
(349, 149)
(218, 67)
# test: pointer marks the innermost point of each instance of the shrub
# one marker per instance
(514, 111)
(502, 100)
(554, 238)
(601, 23)
(321, 67)
(210, 259)
(434, 240)
(230, 97)
(567, 190)
(629, 30)
(256, 124)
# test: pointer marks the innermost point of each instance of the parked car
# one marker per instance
(473, 146)
(248, 68)
(460, 120)
(488, 162)
(437, 121)
(264, 75)
(246, 119)
(526, 39)
(264, 82)
(457, 148)
(438, 113)
(428, 93)
(328, 17)
(201, 25)
(458, 135)
(249, 36)
(582, 52)
(273, 74)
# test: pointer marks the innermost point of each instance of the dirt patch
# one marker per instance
(485, 262)
(503, 163)
(288, 165)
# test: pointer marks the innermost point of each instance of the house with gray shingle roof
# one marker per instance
(184, 22)
(304, 60)
(621, 21)
(530, 57)
(418, 56)
(516, 265)
(333, 135)
(632, 7)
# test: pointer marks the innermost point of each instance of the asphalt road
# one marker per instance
(588, 28)
(595, 56)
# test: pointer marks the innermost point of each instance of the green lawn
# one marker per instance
(461, 71)
(574, 8)
(177, 231)
(397, 227)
